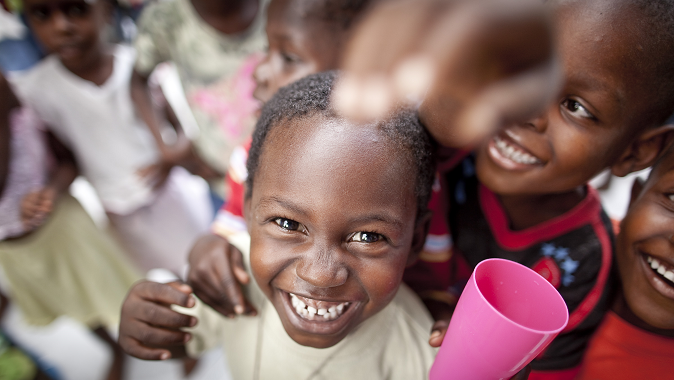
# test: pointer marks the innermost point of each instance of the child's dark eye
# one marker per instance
(76, 9)
(290, 58)
(288, 224)
(577, 109)
(366, 237)
(39, 13)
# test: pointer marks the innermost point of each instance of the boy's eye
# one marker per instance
(366, 237)
(576, 109)
(75, 9)
(39, 12)
(290, 58)
(288, 224)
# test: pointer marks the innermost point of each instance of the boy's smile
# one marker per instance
(605, 103)
(332, 220)
(645, 248)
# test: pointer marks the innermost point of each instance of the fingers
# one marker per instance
(515, 99)
(134, 348)
(438, 331)
(149, 328)
(36, 206)
(173, 293)
(216, 272)
(378, 76)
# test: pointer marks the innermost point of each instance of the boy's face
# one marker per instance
(645, 249)
(68, 28)
(594, 119)
(298, 46)
(332, 219)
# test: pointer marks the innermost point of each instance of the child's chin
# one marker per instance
(313, 340)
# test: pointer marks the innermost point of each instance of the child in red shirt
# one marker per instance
(635, 340)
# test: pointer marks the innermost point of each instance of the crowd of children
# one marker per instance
(356, 209)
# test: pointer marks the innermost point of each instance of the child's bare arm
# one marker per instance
(37, 205)
(216, 275)
(171, 155)
(149, 329)
(478, 63)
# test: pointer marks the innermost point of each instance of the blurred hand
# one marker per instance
(216, 275)
(475, 64)
(36, 207)
(171, 155)
(149, 329)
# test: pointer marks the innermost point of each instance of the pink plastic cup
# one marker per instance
(506, 316)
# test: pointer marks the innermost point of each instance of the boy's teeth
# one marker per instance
(513, 153)
(313, 313)
(659, 268)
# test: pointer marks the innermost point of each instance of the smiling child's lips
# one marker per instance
(659, 273)
(313, 309)
(510, 155)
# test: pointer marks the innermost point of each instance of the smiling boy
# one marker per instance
(335, 212)
(524, 195)
(635, 339)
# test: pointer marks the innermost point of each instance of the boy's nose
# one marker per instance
(322, 269)
(538, 123)
(60, 21)
(261, 74)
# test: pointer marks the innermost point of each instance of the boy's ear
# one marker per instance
(419, 237)
(643, 151)
(635, 191)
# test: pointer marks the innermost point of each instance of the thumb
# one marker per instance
(438, 331)
(512, 100)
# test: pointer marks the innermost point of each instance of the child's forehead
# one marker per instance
(347, 141)
(605, 47)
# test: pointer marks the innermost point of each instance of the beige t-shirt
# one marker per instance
(393, 344)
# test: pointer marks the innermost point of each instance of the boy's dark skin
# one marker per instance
(298, 46)
(606, 115)
(330, 238)
(646, 300)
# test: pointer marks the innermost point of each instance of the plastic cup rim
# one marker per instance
(554, 331)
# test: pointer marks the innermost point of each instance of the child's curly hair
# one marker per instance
(310, 96)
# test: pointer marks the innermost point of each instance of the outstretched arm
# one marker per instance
(474, 64)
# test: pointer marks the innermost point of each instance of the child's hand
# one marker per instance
(36, 207)
(171, 155)
(197, 166)
(438, 331)
(216, 275)
(476, 65)
(149, 329)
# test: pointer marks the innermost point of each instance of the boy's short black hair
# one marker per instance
(656, 34)
(311, 96)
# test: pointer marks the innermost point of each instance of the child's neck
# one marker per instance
(620, 307)
(228, 17)
(97, 67)
(525, 211)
